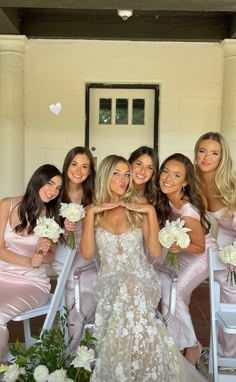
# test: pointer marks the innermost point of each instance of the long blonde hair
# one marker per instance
(225, 177)
(103, 193)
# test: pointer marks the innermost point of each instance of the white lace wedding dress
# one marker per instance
(133, 345)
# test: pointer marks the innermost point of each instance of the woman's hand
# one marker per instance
(97, 208)
(37, 260)
(142, 208)
(43, 245)
(70, 226)
(174, 248)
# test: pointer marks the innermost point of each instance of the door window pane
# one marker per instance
(138, 116)
(121, 111)
(105, 111)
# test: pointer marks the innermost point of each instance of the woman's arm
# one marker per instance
(197, 237)
(13, 258)
(150, 232)
(87, 242)
(5, 254)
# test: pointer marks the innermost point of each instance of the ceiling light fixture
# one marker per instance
(125, 13)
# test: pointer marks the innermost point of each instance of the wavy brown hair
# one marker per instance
(150, 186)
(88, 184)
(190, 190)
(31, 205)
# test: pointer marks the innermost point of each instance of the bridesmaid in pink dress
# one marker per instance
(179, 198)
(24, 283)
(144, 164)
(216, 181)
(78, 176)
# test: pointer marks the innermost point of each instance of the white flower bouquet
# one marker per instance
(72, 212)
(228, 256)
(47, 227)
(174, 232)
(49, 359)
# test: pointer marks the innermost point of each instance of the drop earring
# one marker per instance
(183, 188)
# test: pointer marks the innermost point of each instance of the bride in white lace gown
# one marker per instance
(133, 345)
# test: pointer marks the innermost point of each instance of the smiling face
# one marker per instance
(142, 169)
(120, 179)
(208, 155)
(79, 169)
(51, 189)
(173, 177)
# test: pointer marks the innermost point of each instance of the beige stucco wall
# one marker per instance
(190, 77)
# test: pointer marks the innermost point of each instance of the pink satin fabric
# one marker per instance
(226, 236)
(22, 288)
(75, 320)
(194, 269)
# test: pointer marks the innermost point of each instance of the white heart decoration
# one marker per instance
(56, 109)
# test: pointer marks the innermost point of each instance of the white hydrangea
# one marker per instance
(13, 372)
(57, 376)
(228, 255)
(174, 232)
(41, 373)
(72, 211)
(83, 358)
(48, 228)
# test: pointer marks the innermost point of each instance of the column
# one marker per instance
(228, 125)
(12, 115)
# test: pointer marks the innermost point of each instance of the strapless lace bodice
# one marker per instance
(124, 253)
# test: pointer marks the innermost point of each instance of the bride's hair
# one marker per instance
(225, 177)
(103, 193)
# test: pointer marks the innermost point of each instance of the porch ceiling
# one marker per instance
(175, 20)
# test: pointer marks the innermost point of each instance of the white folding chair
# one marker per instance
(173, 280)
(56, 301)
(85, 277)
(223, 316)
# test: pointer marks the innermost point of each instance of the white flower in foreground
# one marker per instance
(13, 372)
(72, 211)
(41, 373)
(57, 376)
(47, 227)
(83, 358)
(3, 368)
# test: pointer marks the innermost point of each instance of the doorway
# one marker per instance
(120, 118)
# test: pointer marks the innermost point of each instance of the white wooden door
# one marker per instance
(121, 120)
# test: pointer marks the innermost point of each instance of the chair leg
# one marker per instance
(210, 361)
(29, 340)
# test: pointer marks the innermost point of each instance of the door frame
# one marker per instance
(154, 87)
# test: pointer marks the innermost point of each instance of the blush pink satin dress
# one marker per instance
(75, 320)
(226, 236)
(194, 269)
(21, 288)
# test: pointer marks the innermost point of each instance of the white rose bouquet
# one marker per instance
(48, 228)
(228, 256)
(174, 232)
(72, 212)
(50, 360)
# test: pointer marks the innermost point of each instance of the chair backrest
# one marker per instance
(215, 264)
(85, 277)
(64, 255)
